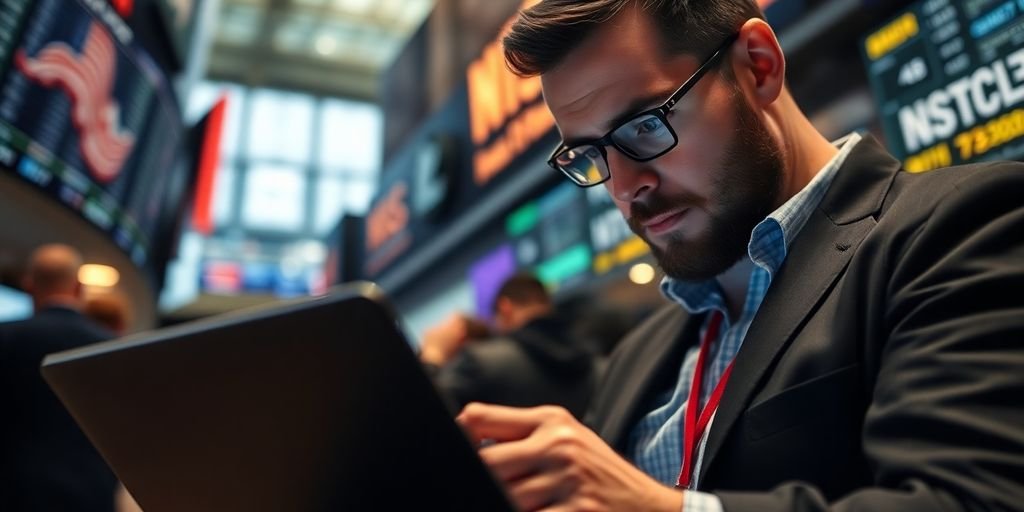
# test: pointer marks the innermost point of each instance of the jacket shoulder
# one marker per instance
(935, 185)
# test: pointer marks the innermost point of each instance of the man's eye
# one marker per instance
(648, 125)
(592, 153)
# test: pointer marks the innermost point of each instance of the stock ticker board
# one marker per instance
(86, 116)
(948, 76)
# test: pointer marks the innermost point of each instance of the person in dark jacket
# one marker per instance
(533, 360)
(844, 334)
(46, 462)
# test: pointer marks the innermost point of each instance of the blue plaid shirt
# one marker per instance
(655, 443)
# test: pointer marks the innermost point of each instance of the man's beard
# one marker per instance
(744, 192)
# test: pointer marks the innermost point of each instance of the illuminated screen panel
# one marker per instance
(86, 116)
(949, 79)
(550, 236)
(14, 305)
(488, 274)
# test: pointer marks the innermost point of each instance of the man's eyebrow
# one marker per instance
(635, 107)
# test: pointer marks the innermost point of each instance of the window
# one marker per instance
(280, 126)
(350, 137)
(330, 204)
(224, 195)
(274, 198)
(291, 165)
(358, 195)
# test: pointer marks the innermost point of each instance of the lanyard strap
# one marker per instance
(693, 427)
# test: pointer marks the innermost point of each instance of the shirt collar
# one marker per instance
(793, 214)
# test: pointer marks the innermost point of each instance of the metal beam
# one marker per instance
(260, 68)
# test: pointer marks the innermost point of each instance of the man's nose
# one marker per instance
(630, 180)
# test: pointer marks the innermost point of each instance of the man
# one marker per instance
(108, 311)
(861, 345)
(533, 361)
(46, 463)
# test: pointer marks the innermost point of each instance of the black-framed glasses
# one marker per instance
(641, 138)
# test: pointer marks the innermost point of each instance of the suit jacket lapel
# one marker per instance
(815, 260)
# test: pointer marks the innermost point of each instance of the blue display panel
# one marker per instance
(87, 117)
(949, 80)
(14, 305)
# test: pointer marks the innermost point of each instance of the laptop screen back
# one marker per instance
(315, 405)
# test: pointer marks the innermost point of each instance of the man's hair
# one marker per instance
(53, 268)
(523, 289)
(544, 34)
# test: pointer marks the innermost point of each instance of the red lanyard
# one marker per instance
(693, 428)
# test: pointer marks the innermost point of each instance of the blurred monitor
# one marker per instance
(947, 78)
(14, 304)
(487, 276)
(89, 118)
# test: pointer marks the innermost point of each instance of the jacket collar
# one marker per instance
(817, 258)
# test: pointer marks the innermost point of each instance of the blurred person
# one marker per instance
(845, 334)
(46, 462)
(444, 340)
(532, 360)
(109, 311)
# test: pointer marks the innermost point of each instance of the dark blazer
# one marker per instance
(46, 463)
(885, 367)
(538, 364)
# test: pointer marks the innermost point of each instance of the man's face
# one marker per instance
(696, 205)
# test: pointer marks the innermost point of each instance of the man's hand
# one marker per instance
(548, 461)
(442, 341)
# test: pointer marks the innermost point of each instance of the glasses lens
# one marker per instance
(644, 136)
(584, 165)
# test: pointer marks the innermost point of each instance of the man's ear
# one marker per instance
(758, 62)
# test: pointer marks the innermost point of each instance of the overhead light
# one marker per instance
(98, 275)
(641, 273)
(326, 44)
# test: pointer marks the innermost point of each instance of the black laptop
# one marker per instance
(313, 405)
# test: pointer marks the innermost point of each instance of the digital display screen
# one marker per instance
(487, 276)
(614, 243)
(87, 117)
(550, 236)
(949, 79)
(14, 305)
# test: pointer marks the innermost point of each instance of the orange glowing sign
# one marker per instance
(506, 115)
(388, 218)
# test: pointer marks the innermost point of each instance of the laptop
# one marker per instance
(317, 404)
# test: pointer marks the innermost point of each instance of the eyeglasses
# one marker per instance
(641, 138)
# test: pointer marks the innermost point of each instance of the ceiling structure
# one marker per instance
(329, 47)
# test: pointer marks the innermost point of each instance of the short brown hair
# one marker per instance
(523, 289)
(544, 34)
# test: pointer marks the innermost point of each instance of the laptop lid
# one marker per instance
(318, 404)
